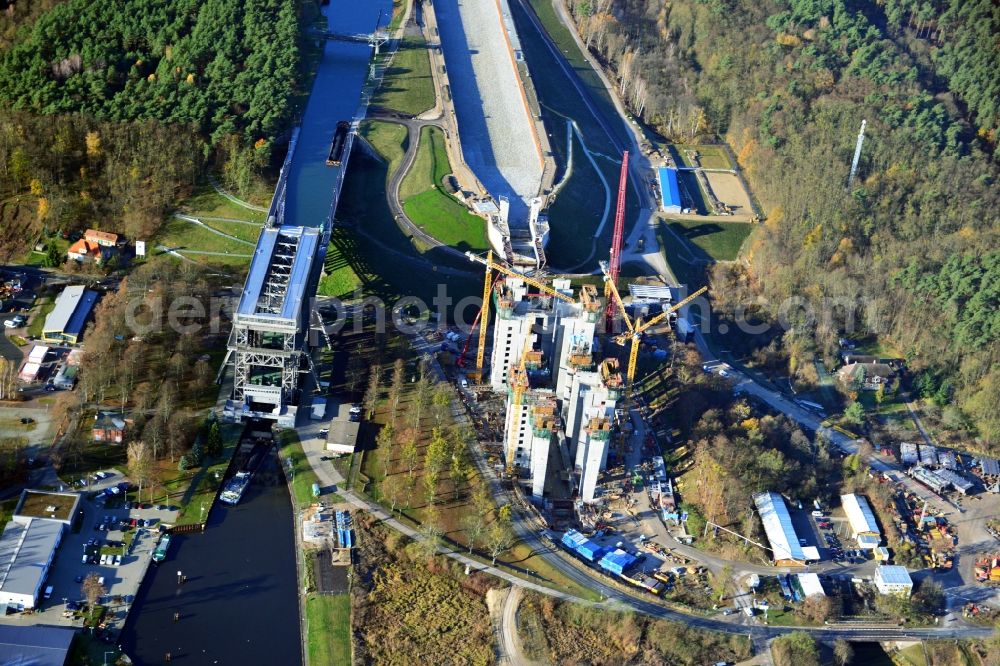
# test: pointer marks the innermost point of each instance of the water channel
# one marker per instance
(335, 96)
(239, 604)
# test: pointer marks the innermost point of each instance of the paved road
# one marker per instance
(413, 127)
(511, 640)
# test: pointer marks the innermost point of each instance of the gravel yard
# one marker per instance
(494, 125)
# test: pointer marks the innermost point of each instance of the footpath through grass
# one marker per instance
(408, 86)
(429, 206)
(328, 629)
(208, 203)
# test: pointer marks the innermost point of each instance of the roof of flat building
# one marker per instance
(35, 645)
(25, 549)
(778, 526)
(71, 310)
(669, 188)
(893, 574)
(859, 514)
(41, 504)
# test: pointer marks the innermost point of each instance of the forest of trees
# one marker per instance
(109, 111)
(222, 66)
(68, 171)
(787, 84)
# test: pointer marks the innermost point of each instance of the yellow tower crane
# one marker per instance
(484, 314)
(635, 330)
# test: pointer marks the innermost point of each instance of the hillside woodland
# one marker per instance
(110, 110)
(911, 247)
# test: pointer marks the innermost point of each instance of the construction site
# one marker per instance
(553, 401)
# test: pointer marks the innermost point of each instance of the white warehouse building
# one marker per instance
(785, 547)
(864, 529)
(27, 548)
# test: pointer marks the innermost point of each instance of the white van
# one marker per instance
(48, 592)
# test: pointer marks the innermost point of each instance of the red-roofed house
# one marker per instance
(103, 238)
(84, 250)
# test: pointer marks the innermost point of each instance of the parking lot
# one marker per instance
(109, 542)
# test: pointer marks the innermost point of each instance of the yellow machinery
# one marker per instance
(484, 315)
(635, 330)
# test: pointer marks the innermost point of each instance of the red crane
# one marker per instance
(614, 264)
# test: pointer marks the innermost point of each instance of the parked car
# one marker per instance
(15, 322)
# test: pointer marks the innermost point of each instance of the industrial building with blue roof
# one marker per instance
(670, 192)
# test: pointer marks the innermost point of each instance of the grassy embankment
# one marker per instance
(577, 210)
(407, 86)
(43, 306)
(429, 206)
(713, 241)
(206, 204)
(328, 616)
(386, 262)
(328, 625)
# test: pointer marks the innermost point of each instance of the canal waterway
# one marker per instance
(239, 603)
(336, 96)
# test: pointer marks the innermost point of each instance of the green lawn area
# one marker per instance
(408, 86)
(293, 461)
(181, 235)
(709, 155)
(389, 139)
(398, 9)
(43, 307)
(247, 232)
(7, 509)
(195, 490)
(339, 279)
(720, 241)
(371, 238)
(33, 258)
(328, 627)
(429, 206)
(209, 203)
(676, 257)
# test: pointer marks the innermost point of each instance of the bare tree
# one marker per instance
(396, 388)
(374, 390)
(92, 589)
(409, 453)
(475, 526)
(8, 379)
(140, 463)
(394, 490)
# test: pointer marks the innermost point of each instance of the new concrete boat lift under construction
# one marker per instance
(502, 140)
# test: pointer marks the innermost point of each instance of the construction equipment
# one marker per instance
(488, 284)
(636, 330)
(614, 263)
